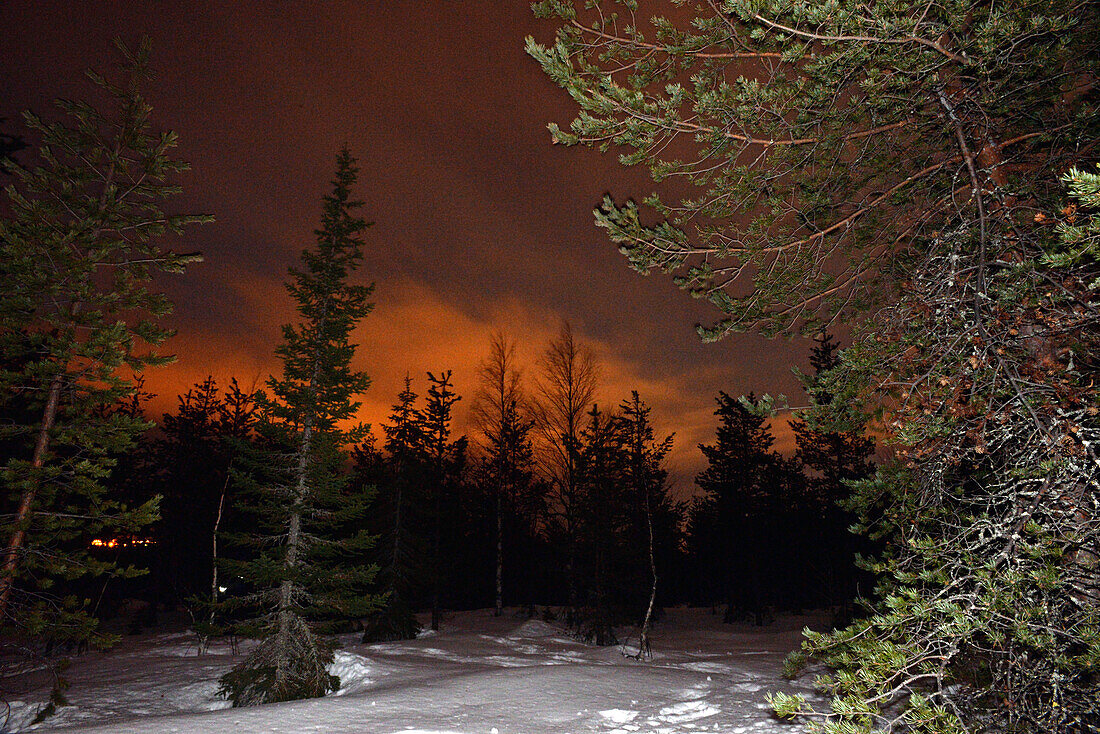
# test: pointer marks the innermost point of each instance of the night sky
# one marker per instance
(480, 223)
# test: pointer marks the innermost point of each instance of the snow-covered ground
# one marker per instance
(479, 674)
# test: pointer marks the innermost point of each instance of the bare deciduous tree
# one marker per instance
(564, 388)
(495, 413)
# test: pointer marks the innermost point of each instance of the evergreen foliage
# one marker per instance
(444, 463)
(843, 453)
(308, 567)
(1079, 233)
(626, 526)
(190, 469)
(991, 518)
(79, 318)
(831, 456)
(734, 528)
(600, 528)
(401, 552)
(655, 516)
(897, 162)
(789, 118)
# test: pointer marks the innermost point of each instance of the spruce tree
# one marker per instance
(601, 516)
(519, 501)
(842, 453)
(79, 247)
(308, 570)
(400, 555)
(729, 536)
(444, 462)
(191, 465)
(832, 454)
(646, 477)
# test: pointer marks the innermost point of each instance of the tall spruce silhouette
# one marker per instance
(401, 553)
(308, 567)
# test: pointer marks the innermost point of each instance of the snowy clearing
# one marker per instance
(479, 674)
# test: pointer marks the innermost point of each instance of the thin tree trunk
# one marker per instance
(293, 546)
(437, 573)
(214, 547)
(26, 502)
(643, 637)
(499, 610)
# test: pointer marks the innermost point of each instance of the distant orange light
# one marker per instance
(125, 542)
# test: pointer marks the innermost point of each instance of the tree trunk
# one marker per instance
(293, 546)
(499, 610)
(26, 502)
(643, 636)
(214, 548)
(436, 560)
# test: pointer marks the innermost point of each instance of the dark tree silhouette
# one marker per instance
(401, 503)
(444, 461)
(309, 566)
(79, 248)
(564, 389)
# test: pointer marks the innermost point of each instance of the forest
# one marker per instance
(539, 509)
(920, 178)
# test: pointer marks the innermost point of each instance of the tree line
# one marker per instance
(455, 522)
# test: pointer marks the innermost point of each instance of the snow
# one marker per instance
(478, 675)
(619, 716)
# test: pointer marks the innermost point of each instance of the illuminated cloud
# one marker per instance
(480, 223)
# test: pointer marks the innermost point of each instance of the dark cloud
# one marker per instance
(480, 223)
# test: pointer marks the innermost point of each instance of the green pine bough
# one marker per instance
(80, 319)
(897, 165)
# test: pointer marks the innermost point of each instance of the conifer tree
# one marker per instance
(444, 463)
(79, 247)
(645, 476)
(895, 162)
(742, 485)
(838, 455)
(191, 471)
(601, 522)
(401, 551)
(519, 500)
(309, 565)
(832, 456)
